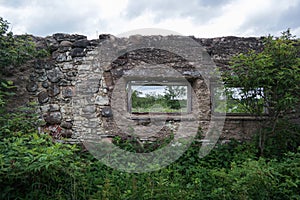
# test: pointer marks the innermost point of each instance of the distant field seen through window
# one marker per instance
(158, 98)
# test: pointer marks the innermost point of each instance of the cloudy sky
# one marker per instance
(201, 18)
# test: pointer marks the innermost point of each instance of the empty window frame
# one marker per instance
(158, 97)
(236, 100)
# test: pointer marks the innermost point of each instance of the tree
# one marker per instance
(173, 94)
(274, 75)
(14, 51)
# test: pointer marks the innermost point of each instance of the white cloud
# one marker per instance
(48, 17)
(196, 17)
(267, 17)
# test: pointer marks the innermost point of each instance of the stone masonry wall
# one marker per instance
(75, 86)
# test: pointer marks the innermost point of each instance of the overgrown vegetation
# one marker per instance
(33, 166)
(273, 75)
(14, 51)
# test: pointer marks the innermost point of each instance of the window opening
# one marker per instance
(158, 97)
(238, 100)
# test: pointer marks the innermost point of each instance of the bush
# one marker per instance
(32, 165)
(286, 138)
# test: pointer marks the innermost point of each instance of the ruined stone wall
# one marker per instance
(75, 86)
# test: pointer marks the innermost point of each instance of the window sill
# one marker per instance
(238, 116)
(161, 116)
